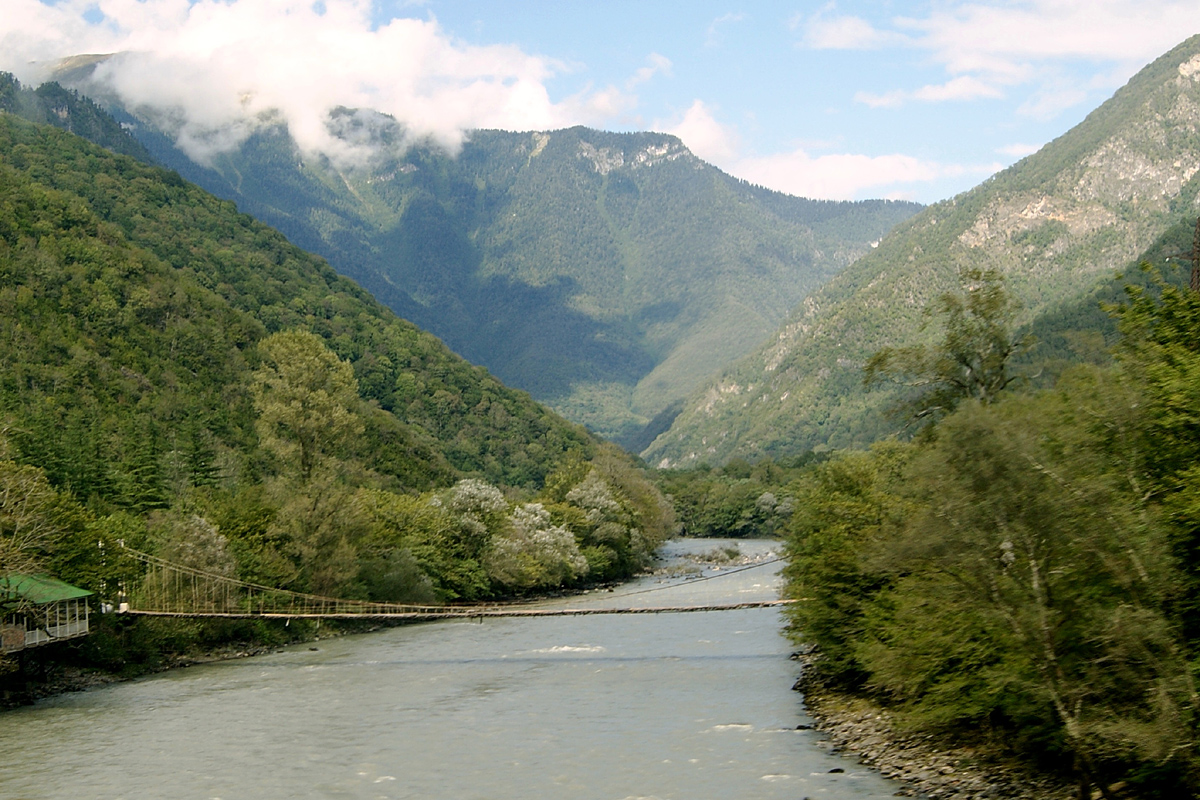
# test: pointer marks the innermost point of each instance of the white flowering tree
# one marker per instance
(533, 552)
(608, 539)
(479, 508)
(192, 541)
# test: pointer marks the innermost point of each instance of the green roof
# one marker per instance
(40, 589)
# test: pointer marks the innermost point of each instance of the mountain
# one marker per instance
(51, 104)
(607, 274)
(154, 295)
(1056, 224)
(179, 376)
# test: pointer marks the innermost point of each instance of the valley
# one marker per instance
(1058, 225)
(606, 274)
(517, 365)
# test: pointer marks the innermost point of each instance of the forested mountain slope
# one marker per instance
(607, 274)
(1056, 224)
(249, 282)
(51, 104)
(178, 375)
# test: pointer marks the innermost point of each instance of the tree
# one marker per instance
(304, 395)
(532, 552)
(973, 359)
(32, 516)
(1029, 586)
(842, 507)
(1160, 352)
(433, 534)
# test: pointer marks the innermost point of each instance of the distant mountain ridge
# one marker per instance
(608, 274)
(51, 104)
(1056, 224)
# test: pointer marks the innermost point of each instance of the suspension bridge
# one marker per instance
(175, 590)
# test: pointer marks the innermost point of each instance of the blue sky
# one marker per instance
(829, 99)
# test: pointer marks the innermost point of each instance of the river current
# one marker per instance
(670, 706)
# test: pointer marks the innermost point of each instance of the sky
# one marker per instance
(835, 100)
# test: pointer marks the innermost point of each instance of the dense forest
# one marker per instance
(1017, 569)
(1022, 573)
(178, 376)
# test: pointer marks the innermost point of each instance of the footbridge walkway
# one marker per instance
(174, 590)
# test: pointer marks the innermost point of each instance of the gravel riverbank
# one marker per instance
(924, 766)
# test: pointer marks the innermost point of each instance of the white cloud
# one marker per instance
(1018, 150)
(1007, 37)
(1051, 98)
(713, 35)
(1008, 43)
(704, 135)
(656, 64)
(846, 176)
(962, 88)
(845, 33)
(836, 176)
(223, 66)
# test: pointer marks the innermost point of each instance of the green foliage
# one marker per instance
(738, 500)
(607, 274)
(425, 530)
(177, 376)
(164, 361)
(1028, 567)
(842, 507)
(1160, 349)
(51, 104)
(973, 360)
(34, 517)
(533, 552)
(189, 331)
(304, 395)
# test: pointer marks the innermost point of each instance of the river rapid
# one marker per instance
(671, 706)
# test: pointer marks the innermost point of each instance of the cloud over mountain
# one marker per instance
(220, 69)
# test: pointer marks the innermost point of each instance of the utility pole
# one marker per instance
(1194, 257)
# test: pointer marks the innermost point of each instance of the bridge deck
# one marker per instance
(467, 613)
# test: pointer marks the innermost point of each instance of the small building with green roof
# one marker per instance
(37, 610)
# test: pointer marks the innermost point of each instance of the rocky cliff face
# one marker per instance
(1057, 224)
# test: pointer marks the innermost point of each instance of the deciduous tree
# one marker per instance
(305, 396)
(973, 360)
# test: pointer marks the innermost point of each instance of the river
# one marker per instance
(671, 706)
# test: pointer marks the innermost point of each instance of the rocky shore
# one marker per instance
(925, 767)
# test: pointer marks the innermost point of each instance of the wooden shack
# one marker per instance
(37, 610)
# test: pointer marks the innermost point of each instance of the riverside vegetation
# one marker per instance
(178, 376)
(1022, 575)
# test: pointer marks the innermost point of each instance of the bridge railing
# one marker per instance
(168, 588)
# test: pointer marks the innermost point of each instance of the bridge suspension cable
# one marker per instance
(170, 589)
(174, 590)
